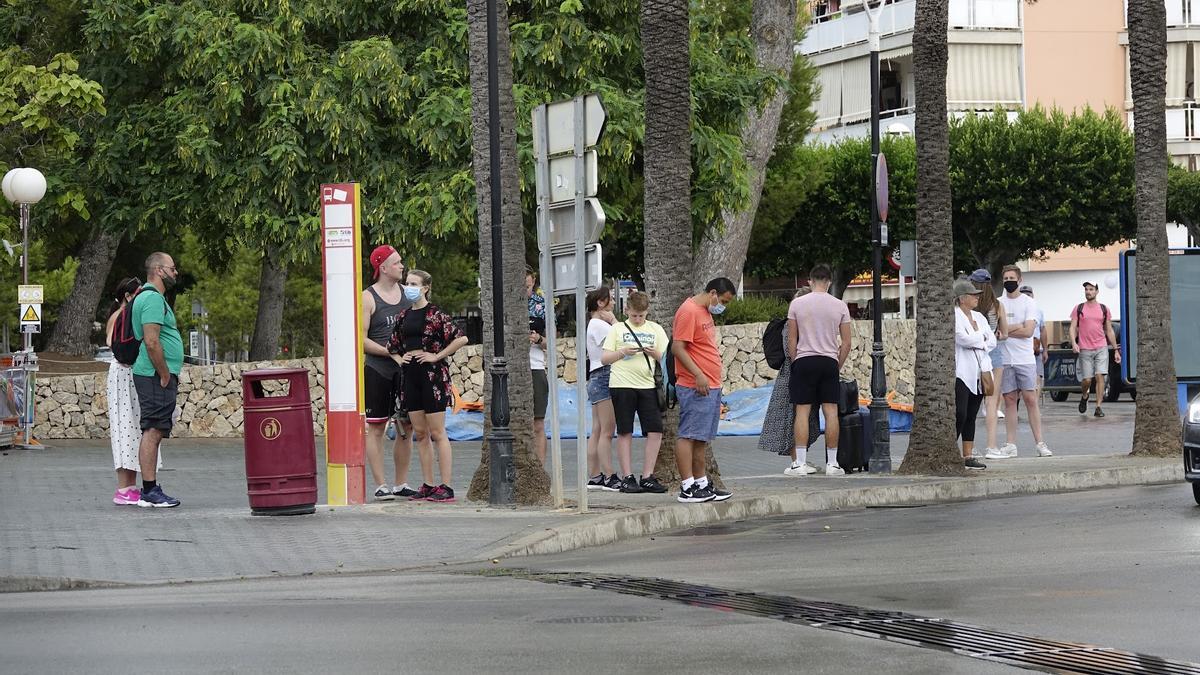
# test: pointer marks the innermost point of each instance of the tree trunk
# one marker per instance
(1156, 429)
(666, 59)
(773, 27)
(932, 447)
(532, 483)
(73, 330)
(264, 345)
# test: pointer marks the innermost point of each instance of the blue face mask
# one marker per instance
(716, 309)
(412, 293)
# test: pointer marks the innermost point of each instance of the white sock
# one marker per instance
(831, 456)
(801, 456)
(402, 486)
(688, 482)
(702, 481)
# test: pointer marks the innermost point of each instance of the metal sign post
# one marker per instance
(570, 222)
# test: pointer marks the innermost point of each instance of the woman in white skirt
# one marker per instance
(124, 413)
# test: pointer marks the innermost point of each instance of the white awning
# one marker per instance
(856, 90)
(1177, 72)
(981, 76)
(829, 102)
(897, 53)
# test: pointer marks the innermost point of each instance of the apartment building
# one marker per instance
(1010, 54)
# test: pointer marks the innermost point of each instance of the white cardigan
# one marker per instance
(971, 347)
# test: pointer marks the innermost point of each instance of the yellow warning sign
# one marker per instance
(31, 313)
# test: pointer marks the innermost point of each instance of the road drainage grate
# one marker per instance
(1013, 649)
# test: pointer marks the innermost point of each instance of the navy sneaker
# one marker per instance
(719, 495)
(403, 491)
(651, 484)
(157, 499)
(695, 495)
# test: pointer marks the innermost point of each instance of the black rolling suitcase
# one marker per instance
(854, 444)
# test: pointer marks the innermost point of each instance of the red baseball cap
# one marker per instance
(380, 254)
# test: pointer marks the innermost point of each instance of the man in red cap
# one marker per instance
(381, 302)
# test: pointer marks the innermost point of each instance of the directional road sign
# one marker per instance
(560, 124)
(566, 276)
(563, 178)
(562, 223)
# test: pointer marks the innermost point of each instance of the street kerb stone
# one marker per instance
(612, 528)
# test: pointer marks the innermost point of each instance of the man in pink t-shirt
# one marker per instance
(1091, 334)
(818, 342)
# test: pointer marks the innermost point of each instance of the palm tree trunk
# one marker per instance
(666, 59)
(1156, 424)
(268, 324)
(532, 483)
(932, 447)
(773, 26)
(73, 330)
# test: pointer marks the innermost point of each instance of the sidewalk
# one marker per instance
(59, 529)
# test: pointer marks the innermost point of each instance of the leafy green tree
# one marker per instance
(1183, 199)
(1041, 182)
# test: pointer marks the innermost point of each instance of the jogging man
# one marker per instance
(1020, 366)
(1091, 335)
(381, 302)
(819, 342)
(698, 385)
(156, 371)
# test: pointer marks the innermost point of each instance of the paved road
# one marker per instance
(1107, 567)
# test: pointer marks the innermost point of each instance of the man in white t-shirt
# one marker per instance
(1021, 366)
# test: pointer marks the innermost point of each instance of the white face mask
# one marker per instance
(412, 293)
(716, 309)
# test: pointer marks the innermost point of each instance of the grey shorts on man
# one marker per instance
(1090, 363)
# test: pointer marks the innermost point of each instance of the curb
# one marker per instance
(612, 528)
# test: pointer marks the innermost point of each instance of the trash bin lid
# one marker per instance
(272, 373)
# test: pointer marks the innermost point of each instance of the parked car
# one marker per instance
(1191, 447)
(104, 354)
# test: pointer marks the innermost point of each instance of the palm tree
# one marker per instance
(932, 447)
(666, 59)
(532, 483)
(1156, 425)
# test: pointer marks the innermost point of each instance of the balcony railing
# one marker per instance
(850, 27)
(1183, 124)
(1180, 13)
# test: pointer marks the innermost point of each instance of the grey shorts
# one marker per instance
(699, 415)
(157, 402)
(1019, 377)
(1091, 362)
(541, 394)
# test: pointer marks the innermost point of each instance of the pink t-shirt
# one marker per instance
(1091, 327)
(819, 318)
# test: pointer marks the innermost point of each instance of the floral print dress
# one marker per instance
(440, 330)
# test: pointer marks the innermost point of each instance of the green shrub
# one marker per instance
(754, 309)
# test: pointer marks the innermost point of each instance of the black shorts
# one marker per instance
(380, 393)
(541, 394)
(814, 380)
(419, 392)
(157, 402)
(644, 402)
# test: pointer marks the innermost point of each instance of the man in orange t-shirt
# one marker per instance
(698, 385)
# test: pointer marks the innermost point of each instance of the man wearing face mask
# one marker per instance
(156, 371)
(382, 301)
(1020, 366)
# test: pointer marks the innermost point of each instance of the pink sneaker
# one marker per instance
(127, 497)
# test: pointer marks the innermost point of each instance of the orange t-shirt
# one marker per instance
(695, 328)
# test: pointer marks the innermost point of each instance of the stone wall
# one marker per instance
(210, 397)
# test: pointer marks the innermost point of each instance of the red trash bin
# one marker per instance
(281, 454)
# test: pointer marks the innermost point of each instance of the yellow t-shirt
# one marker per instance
(632, 372)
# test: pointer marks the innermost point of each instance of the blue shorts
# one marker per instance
(597, 385)
(698, 415)
(997, 357)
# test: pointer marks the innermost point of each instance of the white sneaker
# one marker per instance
(995, 453)
(999, 414)
(1044, 451)
(1010, 450)
(834, 470)
(799, 469)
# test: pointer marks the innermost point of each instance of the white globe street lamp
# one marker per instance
(25, 187)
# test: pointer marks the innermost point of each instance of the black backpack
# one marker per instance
(772, 342)
(1079, 317)
(125, 345)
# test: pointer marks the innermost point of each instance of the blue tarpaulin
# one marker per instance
(747, 408)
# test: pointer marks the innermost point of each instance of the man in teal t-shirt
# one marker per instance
(156, 371)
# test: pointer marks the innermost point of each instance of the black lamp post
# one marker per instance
(500, 439)
(881, 454)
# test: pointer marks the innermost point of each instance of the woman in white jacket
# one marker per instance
(973, 339)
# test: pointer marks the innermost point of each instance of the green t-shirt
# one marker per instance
(151, 307)
(633, 372)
